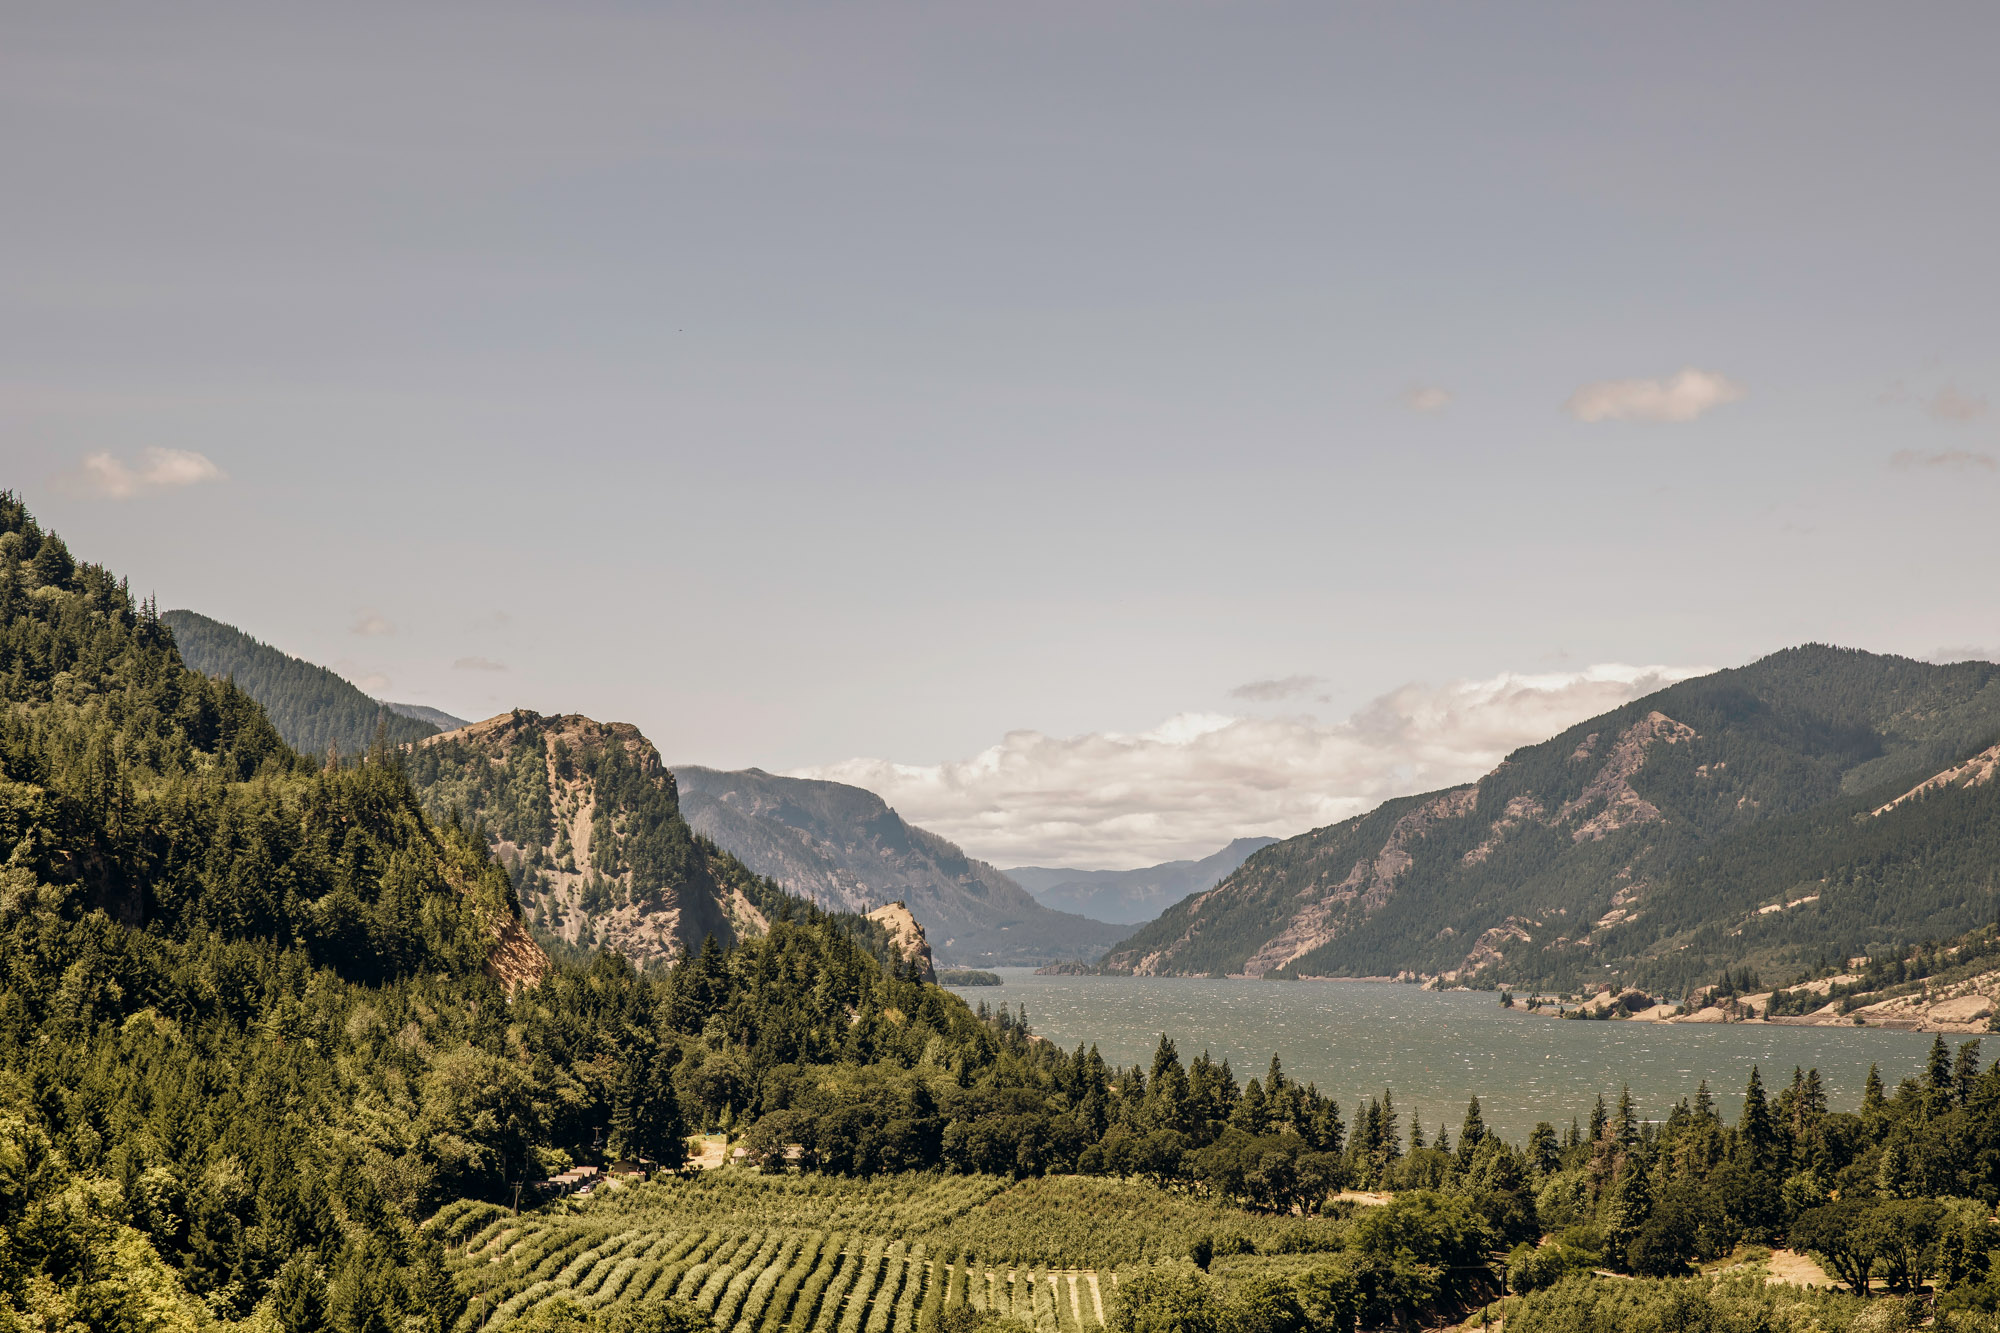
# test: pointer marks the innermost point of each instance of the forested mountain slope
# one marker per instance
(312, 708)
(1131, 896)
(844, 848)
(260, 1015)
(589, 822)
(1745, 816)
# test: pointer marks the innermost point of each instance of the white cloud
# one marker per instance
(110, 478)
(1268, 691)
(1681, 398)
(1910, 460)
(1963, 653)
(372, 625)
(1196, 781)
(478, 664)
(1426, 398)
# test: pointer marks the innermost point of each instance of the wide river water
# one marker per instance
(1437, 1048)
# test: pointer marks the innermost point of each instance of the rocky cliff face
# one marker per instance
(907, 935)
(588, 821)
(1654, 838)
(844, 848)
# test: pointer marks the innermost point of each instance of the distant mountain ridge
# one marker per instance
(1131, 896)
(843, 847)
(314, 709)
(1749, 815)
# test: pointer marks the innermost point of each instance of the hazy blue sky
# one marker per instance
(854, 382)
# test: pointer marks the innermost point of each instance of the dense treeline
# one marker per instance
(314, 709)
(252, 1038)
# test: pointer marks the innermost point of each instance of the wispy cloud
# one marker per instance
(1426, 398)
(1269, 691)
(111, 478)
(1200, 779)
(478, 664)
(372, 625)
(1682, 397)
(1948, 403)
(1918, 460)
(1963, 653)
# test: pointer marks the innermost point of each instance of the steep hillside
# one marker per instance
(1131, 896)
(843, 848)
(313, 709)
(1751, 815)
(437, 717)
(165, 799)
(589, 822)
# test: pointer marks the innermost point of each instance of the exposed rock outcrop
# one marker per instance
(906, 934)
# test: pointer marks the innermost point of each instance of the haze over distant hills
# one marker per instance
(1820, 803)
(437, 717)
(1131, 896)
(313, 708)
(843, 847)
(593, 829)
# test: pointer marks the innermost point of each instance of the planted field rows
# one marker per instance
(752, 1253)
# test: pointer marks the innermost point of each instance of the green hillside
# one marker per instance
(1647, 839)
(275, 1055)
(312, 708)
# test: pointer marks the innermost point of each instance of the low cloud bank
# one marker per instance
(1183, 789)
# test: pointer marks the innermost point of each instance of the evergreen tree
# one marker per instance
(1756, 1128)
(1472, 1132)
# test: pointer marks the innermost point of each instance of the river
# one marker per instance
(1437, 1048)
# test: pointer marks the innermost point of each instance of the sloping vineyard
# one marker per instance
(775, 1254)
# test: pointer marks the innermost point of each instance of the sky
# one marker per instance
(1103, 429)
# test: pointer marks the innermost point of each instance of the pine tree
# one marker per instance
(1965, 1071)
(1756, 1128)
(1871, 1092)
(298, 1298)
(1625, 1125)
(1471, 1132)
(1630, 1205)
(1938, 1080)
(1391, 1147)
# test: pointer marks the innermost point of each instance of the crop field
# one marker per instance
(823, 1254)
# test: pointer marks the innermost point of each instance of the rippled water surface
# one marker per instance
(1437, 1048)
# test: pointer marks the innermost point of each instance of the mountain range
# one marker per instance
(607, 848)
(844, 847)
(1819, 803)
(1131, 896)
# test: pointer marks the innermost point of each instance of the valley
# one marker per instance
(298, 1042)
